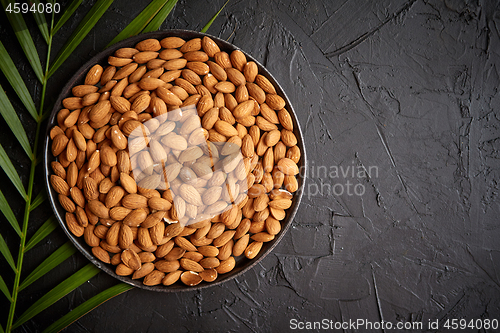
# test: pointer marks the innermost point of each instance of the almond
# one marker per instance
(240, 246)
(190, 278)
(144, 270)
(253, 249)
(285, 119)
(59, 185)
(94, 75)
(148, 45)
(275, 101)
(183, 243)
(73, 225)
(250, 71)
(265, 84)
(288, 138)
(101, 254)
(134, 201)
(172, 278)
(225, 128)
(144, 57)
(272, 138)
(226, 266)
(150, 83)
(131, 259)
(100, 111)
(238, 60)
(126, 237)
(190, 265)
(280, 203)
(235, 76)
(209, 46)
(172, 42)
(167, 96)
(154, 278)
(218, 72)
(269, 114)
(243, 109)
(59, 143)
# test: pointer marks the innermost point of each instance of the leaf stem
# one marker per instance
(27, 209)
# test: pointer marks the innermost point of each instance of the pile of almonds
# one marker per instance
(175, 161)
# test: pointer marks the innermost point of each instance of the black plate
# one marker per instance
(242, 264)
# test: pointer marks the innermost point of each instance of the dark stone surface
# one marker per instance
(405, 89)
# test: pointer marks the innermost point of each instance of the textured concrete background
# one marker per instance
(406, 88)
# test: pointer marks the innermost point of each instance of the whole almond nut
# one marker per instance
(171, 278)
(175, 64)
(235, 76)
(262, 237)
(240, 246)
(153, 278)
(66, 203)
(191, 45)
(101, 254)
(275, 101)
(94, 75)
(280, 203)
(172, 42)
(131, 259)
(149, 83)
(225, 128)
(183, 243)
(190, 278)
(144, 56)
(126, 52)
(167, 266)
(238, 60)
(148, 45)
(59, 185)
(98, 208)
(209, 46)
(226, 266)
(118, 62)
(73, 225)
(265, 84)
(144, 270)
(288, 167)
(190, 265)
(250, 71)
(84, 89)
(59, 144)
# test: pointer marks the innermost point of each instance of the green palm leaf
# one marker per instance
(11, 73)
(40, 21)
(40, 198)
(9, 114)
(4, 249)
(87, 306)
(42, 232)
(24, 37)
(5, 289)
(9, 214)
(79, 34)
(62, 289)
(140, 22)
(11, 172)
(66, 15)
(61, 254)
(205, 28)
(156, 22)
